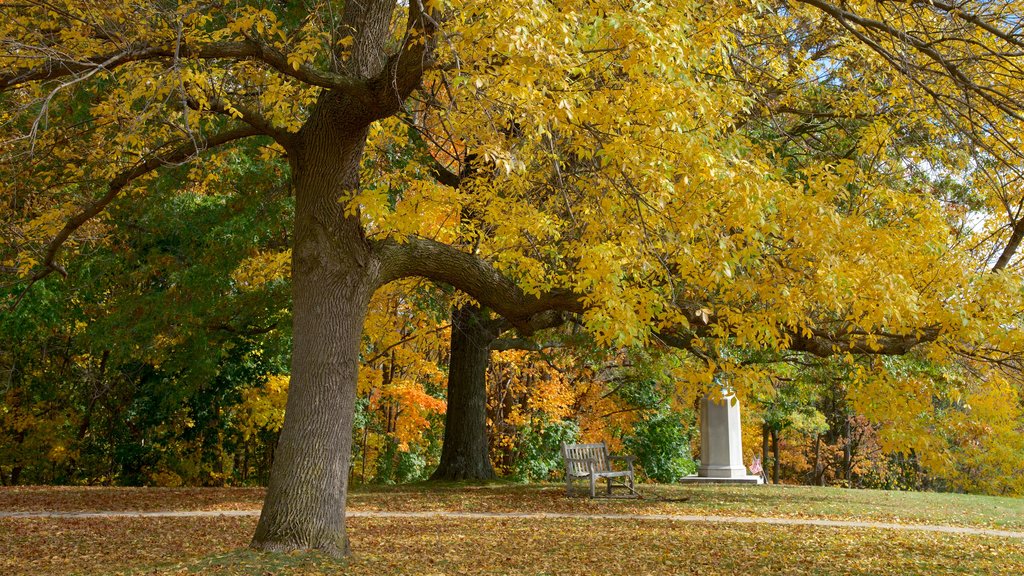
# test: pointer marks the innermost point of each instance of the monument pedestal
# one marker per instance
(721, 444)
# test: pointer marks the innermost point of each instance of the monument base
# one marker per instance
(746, 479)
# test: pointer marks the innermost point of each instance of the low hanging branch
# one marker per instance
(117, 185)
(527, 314)
(59, 68)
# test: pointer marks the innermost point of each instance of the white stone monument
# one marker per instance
(721, 443)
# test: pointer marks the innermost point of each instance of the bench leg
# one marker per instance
(593, 486)
(609, 486)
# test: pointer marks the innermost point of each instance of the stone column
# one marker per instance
(721, 443)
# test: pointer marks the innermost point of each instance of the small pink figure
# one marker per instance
(755, 466)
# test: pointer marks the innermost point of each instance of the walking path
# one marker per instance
(548, 516)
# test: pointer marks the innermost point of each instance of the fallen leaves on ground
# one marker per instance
(45, 546)
(120, 499)
(761, 501)
(381, 546)
(774, 501)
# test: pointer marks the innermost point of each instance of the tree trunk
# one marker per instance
(847, 453)
(333, 277)
(775, 455)
(464, 454)
(818, 473)
(765, 433)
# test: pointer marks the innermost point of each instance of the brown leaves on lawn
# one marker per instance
(774, 501)
(52, 546)
(215, 545)
(117, 499)
(382, 546)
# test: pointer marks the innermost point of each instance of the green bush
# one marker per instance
(540, 450)
(661, 444)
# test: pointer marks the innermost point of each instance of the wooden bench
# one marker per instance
(593, 462)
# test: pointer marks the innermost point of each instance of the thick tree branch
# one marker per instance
(57, 68)
(1011, 246)
(404, 69)
(818, 343)
(468, 273)
(823, 344)
(444, 175)
(250, 117)
(527, 314)
(539, 321)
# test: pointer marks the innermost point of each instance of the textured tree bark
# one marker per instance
(818, 473)
(847, 452)
(464, 454)
(334, 275)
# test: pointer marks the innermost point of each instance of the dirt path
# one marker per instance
(552, 516)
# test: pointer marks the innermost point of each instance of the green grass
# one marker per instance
(777, 501)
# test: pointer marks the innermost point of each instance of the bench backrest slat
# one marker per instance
(596, 452)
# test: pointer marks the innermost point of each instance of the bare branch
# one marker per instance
(1005, 103)
(976, 19)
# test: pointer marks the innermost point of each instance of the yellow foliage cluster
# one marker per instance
(262, 408)
(261, 268)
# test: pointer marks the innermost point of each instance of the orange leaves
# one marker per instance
(417, 407)
(528, 391)
(401, 375)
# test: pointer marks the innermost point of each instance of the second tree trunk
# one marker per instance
(464, 454)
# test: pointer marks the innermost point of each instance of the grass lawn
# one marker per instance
(517, 545)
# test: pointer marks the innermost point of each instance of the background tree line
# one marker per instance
(164, 362)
